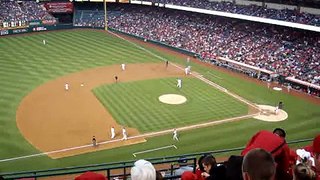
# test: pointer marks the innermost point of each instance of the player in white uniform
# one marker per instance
(124, 134)
(189, 69)
(175, 135)
(276, 111)
(186, 71)
(113, 133)
(66, 86)
(179, 83)
(123, 67)
(44, 42)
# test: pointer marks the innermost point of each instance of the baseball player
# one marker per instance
(289, 88)
(167, 63)
(276, 111)
(113, 133)
(179, 83)
(66, 86)
(116, 78)
(124, 134)
(189, 69)
(123, 67)
(186, 70)
(44, 42)
(94, 141)
(175, 135)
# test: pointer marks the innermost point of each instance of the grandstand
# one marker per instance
(237, 50)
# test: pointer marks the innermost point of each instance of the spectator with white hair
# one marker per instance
(143, 170)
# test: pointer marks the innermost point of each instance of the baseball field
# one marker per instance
(44, 126)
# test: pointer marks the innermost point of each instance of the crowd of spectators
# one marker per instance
(23, 11)
(266, 156)
(286, 51)
(251, 10)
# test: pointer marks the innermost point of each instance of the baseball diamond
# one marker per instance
(42, 116)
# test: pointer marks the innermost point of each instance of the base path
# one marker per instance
(51, 118)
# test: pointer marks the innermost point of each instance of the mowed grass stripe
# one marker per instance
(148, 114)
(26, 64)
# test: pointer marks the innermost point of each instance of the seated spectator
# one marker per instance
(159, 176)
(315, 153)
(258, 164)
(277, 146)
(143, 170)
(189, 176)
(200, 168)
(234, 168)
(183, 167)
(303, 172)
(213, 171)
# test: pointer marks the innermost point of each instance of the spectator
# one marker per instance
(303, 172)
(183, 167)
(213, 171)
(188, 176)
(258, 164)
(315, 152)
(277, 146)
(200, 168)
(143, 170)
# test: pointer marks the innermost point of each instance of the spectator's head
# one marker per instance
(143, 170)
(159, 176)
(280, 132)
(188, 175)
(234, 171)
(258, 164)
(208, 162)
(303, 172)
(200, 166)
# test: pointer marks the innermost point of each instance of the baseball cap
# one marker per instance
(188, 175)
(316, 144)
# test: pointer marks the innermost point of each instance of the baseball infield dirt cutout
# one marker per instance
(61, 123)
(51, 118)
(174, 99)
(270, 114)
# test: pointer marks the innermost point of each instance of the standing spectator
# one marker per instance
(258, 164)
(275, 143)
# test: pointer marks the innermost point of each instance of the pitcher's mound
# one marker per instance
(268, 114)
(172, 99)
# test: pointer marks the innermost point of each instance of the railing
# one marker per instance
(107, 167)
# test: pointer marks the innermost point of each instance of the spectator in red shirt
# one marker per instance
(315, 152)
(275, 143)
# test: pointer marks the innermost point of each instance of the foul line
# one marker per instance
(195, 74)
(151, 134)
(155, 149)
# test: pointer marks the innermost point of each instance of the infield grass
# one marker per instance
(136, 104)
(25, 63)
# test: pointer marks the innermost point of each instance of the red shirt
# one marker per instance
(277, 146)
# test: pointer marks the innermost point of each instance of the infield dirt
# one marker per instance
(51, 118)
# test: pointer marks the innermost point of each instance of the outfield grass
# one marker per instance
(26, 63)
(136, 104)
